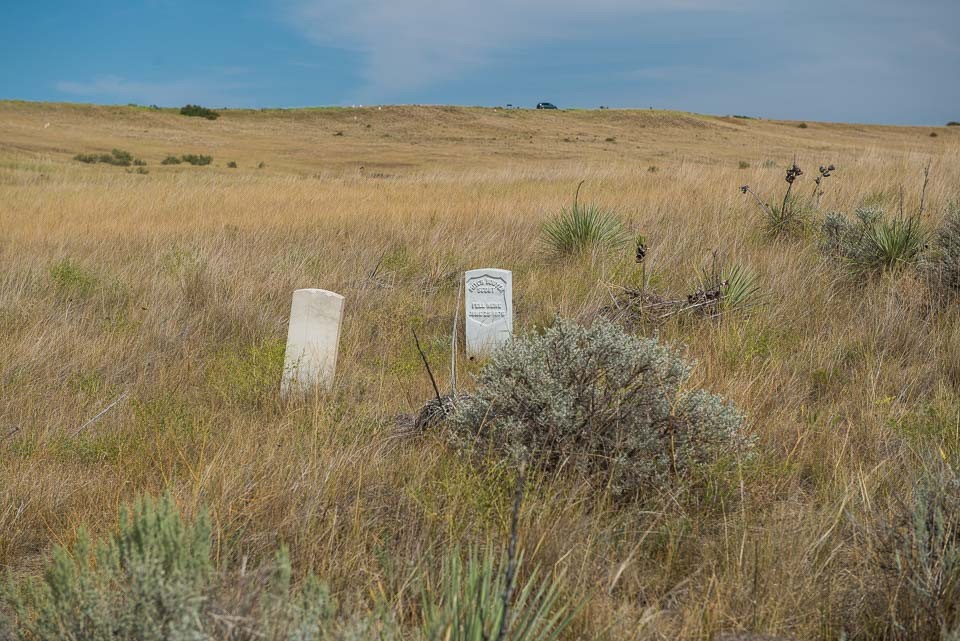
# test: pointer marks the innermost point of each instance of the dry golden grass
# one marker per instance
(175, 287)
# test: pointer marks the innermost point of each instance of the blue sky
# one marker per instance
(843, 60)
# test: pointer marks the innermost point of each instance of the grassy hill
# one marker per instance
(169, 290)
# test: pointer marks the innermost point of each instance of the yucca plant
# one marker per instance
(741, 288)
(583, 228)
(724, 288)
(790, 218)
(873, 243)
(895, 243)
(471, 598)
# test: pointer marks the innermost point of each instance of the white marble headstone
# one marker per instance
(489, 309)
(312, 340)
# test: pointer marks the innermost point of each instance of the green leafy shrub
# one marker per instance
(872, 242)
(117, 157)
(585, 228)
(468, 604)
(599, 401)
(194, 159)
(170, 160)
(942, 265)
(247, 375)
(71, 277)
(198, 111)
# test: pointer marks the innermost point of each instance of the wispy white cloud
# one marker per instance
(173, 93)
(410, 44)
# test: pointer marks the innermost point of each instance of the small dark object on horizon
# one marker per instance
(546, 105)
(198, 111)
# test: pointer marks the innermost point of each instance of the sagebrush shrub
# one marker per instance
(600, 401)
(873, 242)
(913, 585)
(170, 160)
(147, 582)
(942, 265)
(154, 579)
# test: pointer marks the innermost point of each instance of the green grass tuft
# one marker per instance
(584, 228)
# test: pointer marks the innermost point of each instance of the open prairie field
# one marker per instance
(165, 295)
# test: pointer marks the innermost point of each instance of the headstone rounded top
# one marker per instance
(487, 270)
(314, 291)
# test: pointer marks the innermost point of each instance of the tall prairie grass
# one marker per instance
(174, 288)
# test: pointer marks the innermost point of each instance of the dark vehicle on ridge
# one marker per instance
(546, 105)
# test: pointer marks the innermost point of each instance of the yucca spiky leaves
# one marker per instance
(585, 228)
(467, 603)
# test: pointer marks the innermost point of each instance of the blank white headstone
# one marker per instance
(312, 340)
(489, 309)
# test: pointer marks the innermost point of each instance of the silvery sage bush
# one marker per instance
(873, 242)
(942, 266)
(154, 579)
(600, 401)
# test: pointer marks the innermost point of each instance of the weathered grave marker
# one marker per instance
(312, 340)
(489, 309)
